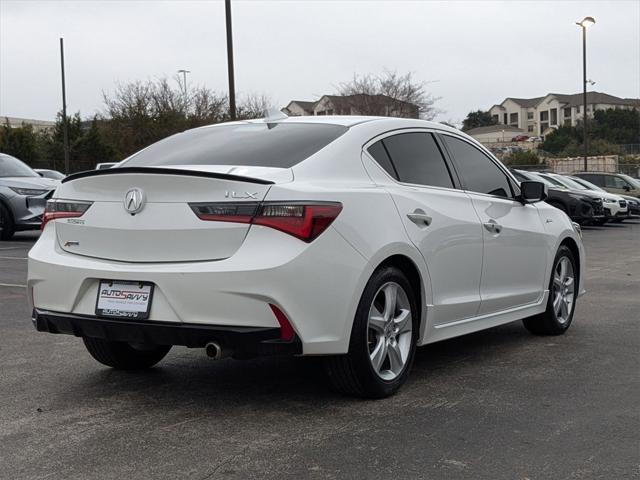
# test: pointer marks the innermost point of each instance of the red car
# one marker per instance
(519, 138)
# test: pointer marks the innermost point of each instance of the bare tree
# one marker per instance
(389, 94)
(252, 106)
(139, 113)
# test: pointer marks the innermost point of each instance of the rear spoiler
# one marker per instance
(165, 171)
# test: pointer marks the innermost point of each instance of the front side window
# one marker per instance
(478, 171)
(281, 145)
(614, 182)
(417, 159)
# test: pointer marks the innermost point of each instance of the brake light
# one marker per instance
(63, 209)
(302, 220)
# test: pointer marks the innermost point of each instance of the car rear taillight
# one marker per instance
(63, 209)
(301, 219)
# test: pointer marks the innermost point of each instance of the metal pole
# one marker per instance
(65, 128)
(232, 88)
(584, 94)
(184, 80)
(184, 89)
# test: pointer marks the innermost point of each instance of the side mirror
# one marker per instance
(532, 192)
(41, 174)
(627, 188)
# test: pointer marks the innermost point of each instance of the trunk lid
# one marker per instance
(165, 229)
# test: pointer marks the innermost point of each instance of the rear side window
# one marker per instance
(478, 172)
(595, 179)
(415, 158)
(379, 153)
(253, 144)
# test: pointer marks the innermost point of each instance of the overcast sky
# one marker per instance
(476, 53)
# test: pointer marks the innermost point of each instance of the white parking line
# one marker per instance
(12, 285)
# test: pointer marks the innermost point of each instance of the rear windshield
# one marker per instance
(256, 144)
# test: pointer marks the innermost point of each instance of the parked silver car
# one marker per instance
(23, 194)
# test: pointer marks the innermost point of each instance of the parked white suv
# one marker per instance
(355, 238)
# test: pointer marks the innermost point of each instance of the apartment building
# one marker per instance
(360, 104)
(536, 116)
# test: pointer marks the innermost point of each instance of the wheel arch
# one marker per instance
(571, 244)
(409, 267)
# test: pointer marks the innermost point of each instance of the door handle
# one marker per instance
(419, 218)
(492, 226)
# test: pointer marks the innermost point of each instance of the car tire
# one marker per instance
(563, 293)
(124, 356)
(383, 339)
(7, 226)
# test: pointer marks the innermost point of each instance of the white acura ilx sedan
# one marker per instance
(355, 238)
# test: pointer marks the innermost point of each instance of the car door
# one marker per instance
(438, 217)
(515, 254)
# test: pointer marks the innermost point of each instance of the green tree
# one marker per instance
(91, 148)
(20, 142)
(616, 126)
(559, 139)
(477, 119)
(524, 158)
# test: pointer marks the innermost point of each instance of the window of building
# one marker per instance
(554, 116)
(529, 115)
(530, 128)
(417, 159)
(504, 119)
(513, 119)
(567, 112)
(478, 171)
(578, 109)
(495, 118)
(544, 116)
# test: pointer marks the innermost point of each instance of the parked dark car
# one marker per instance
(519, 138)
(581, 208)
(633, 203)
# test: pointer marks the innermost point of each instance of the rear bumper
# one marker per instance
(244, 341)
(317, 286)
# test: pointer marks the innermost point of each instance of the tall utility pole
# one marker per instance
(232, 87)
(184, 86)
(586, 21)
(65, 127)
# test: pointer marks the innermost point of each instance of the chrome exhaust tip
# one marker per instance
(213, 350)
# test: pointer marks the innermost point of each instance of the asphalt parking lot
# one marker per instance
(500, 404)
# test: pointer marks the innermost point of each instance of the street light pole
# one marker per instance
(184, 86)
(232, 87)
(586, 21)
(65, 128)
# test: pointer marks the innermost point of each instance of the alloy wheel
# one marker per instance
(389, 331)
(563, 290)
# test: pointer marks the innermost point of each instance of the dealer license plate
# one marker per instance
(124, 299)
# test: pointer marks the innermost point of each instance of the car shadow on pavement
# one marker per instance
(188, 377)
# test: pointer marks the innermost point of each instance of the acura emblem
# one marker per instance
(134, 200)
